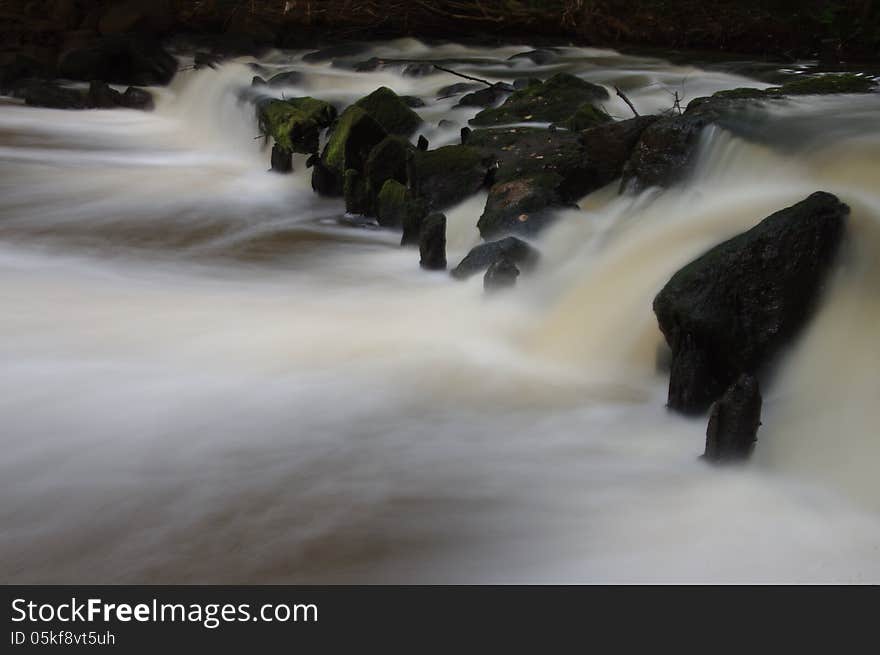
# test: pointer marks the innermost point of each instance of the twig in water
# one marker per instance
(467, 77)
(626, 100)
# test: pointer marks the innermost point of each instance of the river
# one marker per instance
(208, 378)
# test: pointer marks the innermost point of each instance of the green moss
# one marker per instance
(587, 116)
(390, 111)
(824, 84)
(388, 161)
(554, 101)
(397, 207)
(351, 140)
(430, 163)
(295, 124)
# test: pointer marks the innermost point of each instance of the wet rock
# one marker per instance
(450, 174)
(446, 124)
(357, 197)
(480, 258)
(826, 84)
(587, 116)
(525, 82)
(352, 139)
(485, 97)
(733, 309)
(122, 59)
(256, 80)
(422, 144)
(734, 422)
(101, 96)
(389, 111)
(502, 274)
(412, 101)
(295, 123)
(206, 60)
(524, 206)
(368, 66)
(540, 57)
(608, 147)
(282, 159)
(456, 89)
(465, 135)
(135, 98)
(432, 243)
(388, 161)
(52, 96)
(553, 101)
(397, 207)
(290, 78)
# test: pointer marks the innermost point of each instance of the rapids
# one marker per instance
(206, 377)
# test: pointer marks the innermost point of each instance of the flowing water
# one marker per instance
(208, 377)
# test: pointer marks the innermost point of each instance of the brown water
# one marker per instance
(206, 378)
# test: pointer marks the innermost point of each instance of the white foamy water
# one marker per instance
(206, 378)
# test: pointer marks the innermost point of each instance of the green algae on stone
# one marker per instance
(587, 116)
(295, 123)
(390, 111)
(553, 101)
(354, 135)
(397, 207)
(825, 84)
(388, 161)
(450, 174)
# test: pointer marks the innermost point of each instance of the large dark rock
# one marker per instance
(485, 97)
(295, 123)
(388, 161)
(450, 174)
(122, 59)
(52, 96)
(608, 147)
(102, 96)
(432, 243)
(734, 422)
(483, 256)
(525, 206)
(553, 101)
(734, 308)
(135, 98)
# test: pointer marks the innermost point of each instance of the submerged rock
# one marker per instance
(485, 97)
(553, 101)
(413, 102)
(733, 309)
(734, 422)
(480, 258)
(502, 274)
(524, 206)
(539, 57)
(390, 111)
(432, 243)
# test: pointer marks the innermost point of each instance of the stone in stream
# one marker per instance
(351, 140)
(295, 123)
(135, 98)
(733, 309)
(422, 144)
(282, 159)
(388, 161)
(290, 78)
(448, 175)
(432, 243)
(539, 57)
(665, 152)
(502, 274)
(553, 101)
(484, 97)
(734, 422)
(390, 111)
(413, 102)
(102, 96)
(481, 257)
(52, 96)
(356, 193)
(397, 207)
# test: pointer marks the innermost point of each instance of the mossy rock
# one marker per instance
(387, 161)
(825, 84)
(390, 111)
(397, 207)
(450, 174)
(553, 101)
(354, 135)
(296, 123)
(357, 196)
(587, 116)
(522, 207)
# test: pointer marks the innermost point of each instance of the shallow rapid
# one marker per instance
(209, 377)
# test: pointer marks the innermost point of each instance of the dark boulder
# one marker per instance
(456, 89)
(485, 97)
(413, 102)
(388, 161)
(123, 59)
(480, 258)
(282, 159)
(733, 309)
(422, 144)
(351, 140)
(389, 111)
(553, 101)
(356, 194)
(432, 243)
(101, 96)
(22, 66)
(734, 422)
(608, 147)
(448, 175)
(295, 123)
(524, 206)
(52, 96)
(396, 206)
(502, 274)
(135, 98)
